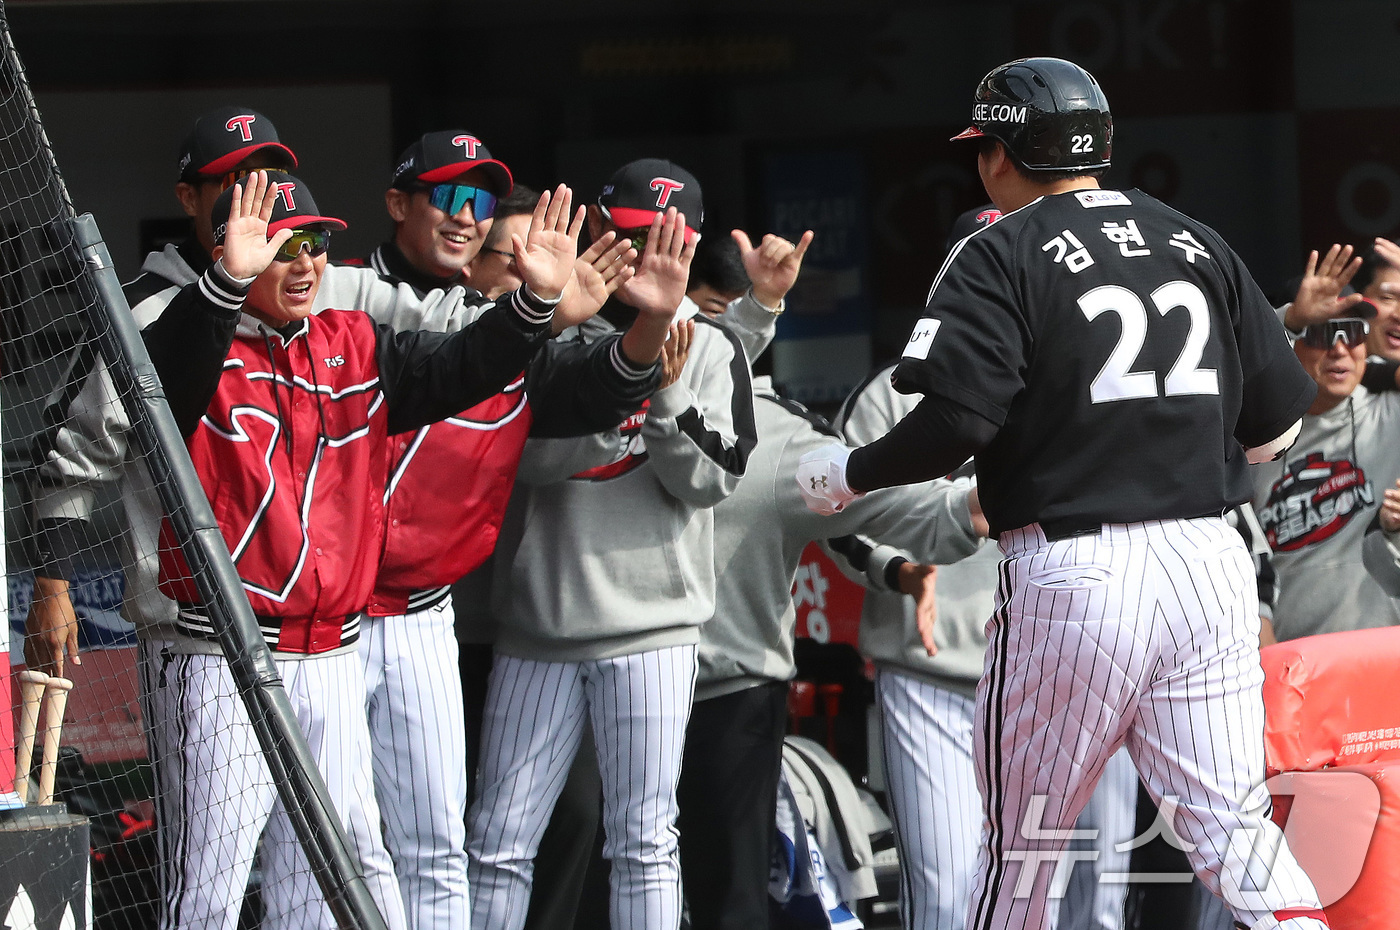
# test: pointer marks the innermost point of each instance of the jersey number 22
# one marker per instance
(1114, 381)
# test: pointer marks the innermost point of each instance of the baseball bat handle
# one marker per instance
(57, 694)
(31, 690)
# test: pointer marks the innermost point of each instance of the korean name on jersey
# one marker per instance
(1123, 349)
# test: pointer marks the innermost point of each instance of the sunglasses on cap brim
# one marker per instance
(451, 198)
(1352, 333)
(314, 241)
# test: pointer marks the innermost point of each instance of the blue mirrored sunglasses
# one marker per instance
(451, 198)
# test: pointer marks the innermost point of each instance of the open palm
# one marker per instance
(247, 249)
(1319, 294)
(599, 271)
(661, 278)
(546, 256)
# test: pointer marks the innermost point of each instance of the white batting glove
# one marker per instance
(821, 477)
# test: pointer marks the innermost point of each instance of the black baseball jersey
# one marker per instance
(1125, 353)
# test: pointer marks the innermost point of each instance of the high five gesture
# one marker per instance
(546, 256)
(658, 286)
(247, 250)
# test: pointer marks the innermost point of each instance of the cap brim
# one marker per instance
(301, 222)
(971, 132)
(633, 218)
(230, 161)
(496, 169)
(1362, 310)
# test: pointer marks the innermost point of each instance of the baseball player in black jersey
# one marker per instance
(1113, 367)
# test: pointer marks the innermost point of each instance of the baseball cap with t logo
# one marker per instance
(293, 209)
(223, 138)
(441, 156)
(643, 188)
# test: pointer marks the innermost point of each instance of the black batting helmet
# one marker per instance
(1049, 113)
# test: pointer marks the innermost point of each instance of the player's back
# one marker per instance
(1112, 339)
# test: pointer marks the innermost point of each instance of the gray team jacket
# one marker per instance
(620, 559)
(91, 446)
(1315, 506)
(967, 578)
(762, 528)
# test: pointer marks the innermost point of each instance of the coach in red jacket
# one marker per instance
(286, 416)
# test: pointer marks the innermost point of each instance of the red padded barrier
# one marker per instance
(1343, 826)
(1332, 700)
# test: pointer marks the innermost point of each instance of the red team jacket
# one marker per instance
(291, 448)
(305, 538)
(450, 482)
(437, 505)
(448, 488)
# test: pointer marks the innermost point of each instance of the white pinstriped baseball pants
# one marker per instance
(214, 794)
(639, 705)
(419, 739)
(927, 745)
(1144, 634)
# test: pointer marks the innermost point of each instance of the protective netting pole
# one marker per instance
(110, 328)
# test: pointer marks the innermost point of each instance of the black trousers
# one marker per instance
(728, 795)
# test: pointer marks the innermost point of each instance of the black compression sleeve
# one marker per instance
(892, 572)
(936, 437)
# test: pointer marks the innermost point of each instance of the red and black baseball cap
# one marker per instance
(294, 209)
(643, 188)
(442, 156)
(224, 137)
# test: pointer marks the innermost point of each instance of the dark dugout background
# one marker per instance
(1275, 122)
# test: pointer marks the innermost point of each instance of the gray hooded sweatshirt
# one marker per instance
(1315, 506)
(762, 528)
(620, 558)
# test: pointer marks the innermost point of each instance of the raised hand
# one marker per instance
(247, 249)
(1318, 296)
(546, 255)
(675, 352)
(918, 582)
(1388, 251)
(773, 265)
(659, 284)
(604, 267)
